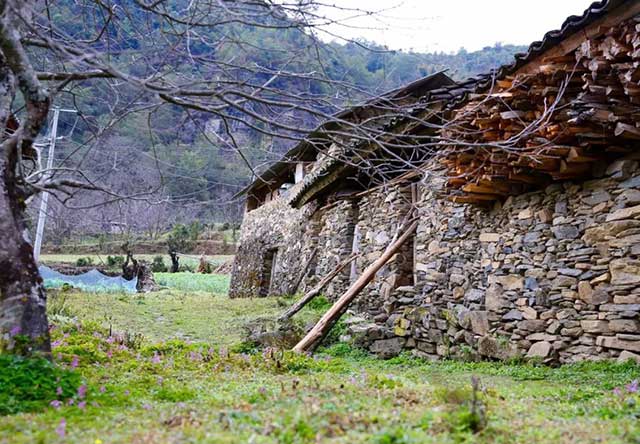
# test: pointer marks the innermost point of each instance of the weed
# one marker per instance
(30, 384)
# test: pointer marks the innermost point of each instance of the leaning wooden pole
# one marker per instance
(315, 291)
(312, 339)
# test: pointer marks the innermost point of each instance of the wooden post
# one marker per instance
(315, 291)
(312, 339)
(305, 270)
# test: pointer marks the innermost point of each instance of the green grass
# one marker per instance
(159, 389)
(215, 260)
(193, 282)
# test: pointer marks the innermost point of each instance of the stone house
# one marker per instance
(528, 239)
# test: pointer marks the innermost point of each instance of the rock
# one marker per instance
(545, 216)
(625, 272)
(591, 296)
(597, 197)
(620, 307)
(532, 237)
(629, 196)
(565, 232)
(474, 295)
(569, 272)
(508, 282)
(532, 325)
(479, 322)
(401, 327)
(489, 237)
(564, 281)
(613, 342)
(627, 355)
(493, 348)
(624, 326)
(594, 326)
(525, 214)
(382, 238)
(624, 213)
(621, 169)
(529, 313)
(540, 349)
(512, 315)
(387, 348)
(494, 299)
(608, 230)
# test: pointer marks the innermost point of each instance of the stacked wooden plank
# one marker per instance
(558, 121)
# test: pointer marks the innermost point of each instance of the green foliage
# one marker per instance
(319, 303)
(180, 239)
(115, 261)
(158, 266)
(30, 384)
(84, 262)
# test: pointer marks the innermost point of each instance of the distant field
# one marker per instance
(191, 260)
(193, 282)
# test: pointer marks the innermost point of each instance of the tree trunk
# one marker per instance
(312, 339)
(23, 318)
(175, 264)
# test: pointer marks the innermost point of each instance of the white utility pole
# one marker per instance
(45, 195)
(42, 214)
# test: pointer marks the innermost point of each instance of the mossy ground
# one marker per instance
(202, 388)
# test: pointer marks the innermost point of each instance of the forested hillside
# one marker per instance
(183, 157)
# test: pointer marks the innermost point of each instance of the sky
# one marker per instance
(448, 25)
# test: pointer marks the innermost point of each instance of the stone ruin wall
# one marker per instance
(553, 274)
(274, 226)
(381, 213)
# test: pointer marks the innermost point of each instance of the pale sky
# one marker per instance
(448, 25)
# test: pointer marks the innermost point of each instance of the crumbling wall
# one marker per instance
(552, 274)
(273, 228)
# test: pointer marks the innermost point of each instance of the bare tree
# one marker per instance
(40, 63)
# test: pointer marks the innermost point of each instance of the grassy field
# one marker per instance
(191, 261)
(171, 367)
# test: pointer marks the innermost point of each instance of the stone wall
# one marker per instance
(552, 274)
(335, 243)
(380, 215)
(273, 228)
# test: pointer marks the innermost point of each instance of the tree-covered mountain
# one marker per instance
(186, 157)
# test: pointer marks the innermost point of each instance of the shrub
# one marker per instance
(115, 261)
(30, 384)
(158, 266)
(84, 262)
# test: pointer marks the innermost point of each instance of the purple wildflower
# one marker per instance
(146, 406)
(82, 391)
(109, 354)
(15, 330)
(55, 404)
(110, 340)
(56, 343)
(160, 380)
(74, 362)
(127, 392)
(70, 401)
(59, 391)
(82, 405)
(156, 359)
(103, 389)
(617, 391)
(633, 387)
(61, 430)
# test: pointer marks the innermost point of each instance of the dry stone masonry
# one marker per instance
(530, 251)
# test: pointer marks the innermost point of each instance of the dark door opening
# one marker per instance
(268, 268)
